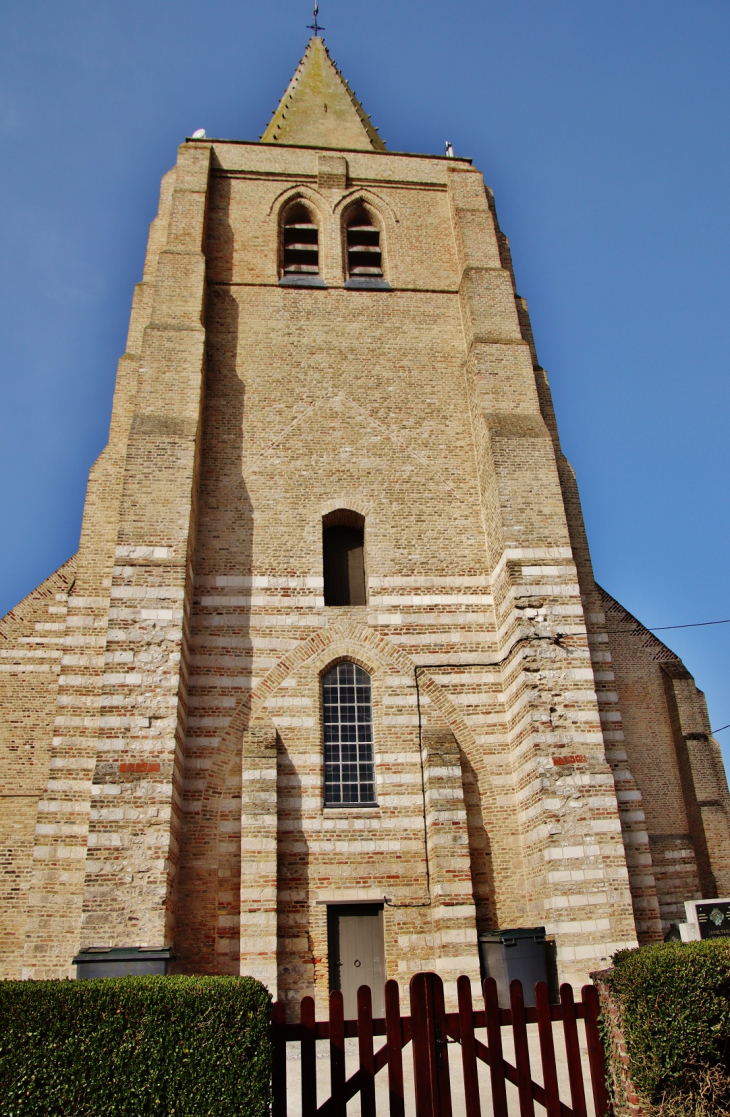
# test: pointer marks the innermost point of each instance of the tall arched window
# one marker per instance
(349, 766)
(300, 245)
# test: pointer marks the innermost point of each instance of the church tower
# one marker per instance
(330, 674)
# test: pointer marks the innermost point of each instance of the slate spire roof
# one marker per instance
(320, 110)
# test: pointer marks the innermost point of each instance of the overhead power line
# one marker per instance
(697, 624)
(662, 628)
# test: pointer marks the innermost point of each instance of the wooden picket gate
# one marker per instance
(431, 1029)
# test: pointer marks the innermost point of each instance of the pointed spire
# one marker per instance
(320, 110)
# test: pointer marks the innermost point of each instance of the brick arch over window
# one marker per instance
(204, 895)
(388, 216)
(301, 193)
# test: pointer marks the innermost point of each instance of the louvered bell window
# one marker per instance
(301, 243)
(364, 255)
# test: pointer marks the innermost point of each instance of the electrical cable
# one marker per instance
(697, 624)
(665, 627)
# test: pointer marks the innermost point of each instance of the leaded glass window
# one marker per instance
(349, 768)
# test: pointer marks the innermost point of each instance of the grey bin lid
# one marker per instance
(124, 954)
(511, 935)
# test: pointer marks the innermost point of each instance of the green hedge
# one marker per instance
(127, 1047)
(674, 1006)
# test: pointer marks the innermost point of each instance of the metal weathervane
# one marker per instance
(316, 26)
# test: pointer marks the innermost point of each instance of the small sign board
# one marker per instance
(713, 918)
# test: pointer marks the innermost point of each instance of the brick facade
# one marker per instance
(540, 758)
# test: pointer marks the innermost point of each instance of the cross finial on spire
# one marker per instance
(316, 26)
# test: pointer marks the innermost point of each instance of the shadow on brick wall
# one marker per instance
(208, 900)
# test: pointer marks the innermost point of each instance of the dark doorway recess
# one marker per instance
(343, 546)
(356, 946)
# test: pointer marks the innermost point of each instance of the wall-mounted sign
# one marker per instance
(713, 918)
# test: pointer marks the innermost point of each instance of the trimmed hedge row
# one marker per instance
(673, 1002)
(127, 1047)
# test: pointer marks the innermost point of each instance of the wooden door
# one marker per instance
(357, 954)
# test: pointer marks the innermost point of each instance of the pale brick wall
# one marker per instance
(30, 663)
(676, 763)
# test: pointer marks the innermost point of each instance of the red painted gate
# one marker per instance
(431, 1030)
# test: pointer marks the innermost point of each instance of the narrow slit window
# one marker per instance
(301, 243)
(343, 554)
(364, 253)
(349, 766)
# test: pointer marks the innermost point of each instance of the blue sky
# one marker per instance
(601, 127)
